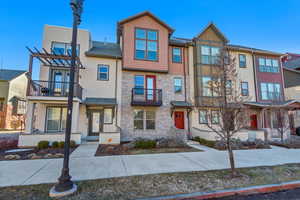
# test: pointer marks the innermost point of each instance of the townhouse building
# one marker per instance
(148, 84)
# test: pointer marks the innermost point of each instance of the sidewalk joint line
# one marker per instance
(36, 172)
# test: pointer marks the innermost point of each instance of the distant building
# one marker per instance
(13, 86)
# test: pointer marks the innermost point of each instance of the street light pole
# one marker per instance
(65, 185)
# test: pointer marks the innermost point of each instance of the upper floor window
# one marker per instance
(139, 84)
(103, 73)
(270, 91)
(244, 88)
(178, 85)
(242, 60)
(209, 54)
(210, 86)
(268, 65)
(146, 44)
(60, 48)
(176, 55)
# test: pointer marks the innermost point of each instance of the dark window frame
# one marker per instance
(146, 40)
(242, 64)
(206, 116)
(180, 50)
(98, 72)
(60, 119)
(65, 48)
(242, 89)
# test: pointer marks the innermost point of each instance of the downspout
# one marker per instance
(184, 73)
(185, 93)
(116, 86)
(255, 79)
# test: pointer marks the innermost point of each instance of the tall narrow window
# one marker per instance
(56, 119)
(203, 118)
(244, 88)
(108, 116)
(1, 105)
(177, 85)
(176, 55)
(150, 120)
(139, 85)
(228, 87)
(138, 119)
(146, 44)
(103, 72)
(215, 117)
(242, 60)
(206, 86)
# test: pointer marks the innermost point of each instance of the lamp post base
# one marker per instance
(54, 193)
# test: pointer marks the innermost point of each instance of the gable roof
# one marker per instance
(292, 64)
(216, 30)
(9, 74)
(146, 13)
(104, 50)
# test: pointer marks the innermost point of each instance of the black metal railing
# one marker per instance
(146, 97)
(53, 89)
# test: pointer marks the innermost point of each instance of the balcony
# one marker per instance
(146, 97)
(53, 89)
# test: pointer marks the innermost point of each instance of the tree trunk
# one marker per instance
(281, 136)
(231, 158)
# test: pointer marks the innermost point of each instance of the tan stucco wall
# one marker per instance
(18, 87)
(245, 74)
(292, 93)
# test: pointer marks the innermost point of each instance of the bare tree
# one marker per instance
(230, 103)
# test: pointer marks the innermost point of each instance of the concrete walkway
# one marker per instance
(83, 166)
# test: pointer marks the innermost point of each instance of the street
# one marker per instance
(283, 195)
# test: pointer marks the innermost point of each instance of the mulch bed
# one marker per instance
(109, 150)
(40, 153)
(288, 146)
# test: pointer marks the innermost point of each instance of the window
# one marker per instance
(203, 119)
(210, 87)
(108, 116)
(242, 59)
(150, 120)
(1, 104)
(209, 55)
(56, 119)
(176, 55)
(270, 91)
(103, 73)
(177, 85)
(144, 120)
(228, 87)
(61, 48)
(215, 119)
(268, 65)
(146, 44)
(244, 88)
(139, 84)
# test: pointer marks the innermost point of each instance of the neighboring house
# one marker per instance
(291, 61)
(13, 84)
(148, 84)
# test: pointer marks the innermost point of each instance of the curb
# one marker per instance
(231, 192)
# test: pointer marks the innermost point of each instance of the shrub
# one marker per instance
(61, 144)
(55, 144)
(72, 144)
(145, 144)
(205, 142)
(43, 144)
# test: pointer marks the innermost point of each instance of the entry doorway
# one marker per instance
(253, 122)
(95, 126)
(179, 119)
(150, 87)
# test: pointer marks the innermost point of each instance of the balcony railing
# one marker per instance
(146, 97)
(53, 89)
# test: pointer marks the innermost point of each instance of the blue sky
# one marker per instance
(266, 24)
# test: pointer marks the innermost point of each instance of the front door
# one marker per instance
(179, 119)
(253, 121)
(95, 124)
(150, 87)
(60, 82)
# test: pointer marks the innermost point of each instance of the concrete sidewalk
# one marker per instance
(83, 166)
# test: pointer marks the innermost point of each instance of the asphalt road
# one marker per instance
(283, 195)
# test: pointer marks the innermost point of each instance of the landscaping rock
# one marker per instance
(58, 155)
(31, 155)
(36, 157)
(49, 155)
(129, 145)
(12, 157)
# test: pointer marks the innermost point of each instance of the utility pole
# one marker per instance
(65, 185)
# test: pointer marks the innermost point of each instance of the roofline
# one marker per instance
(144, 13)
(254, 50)
(216, 29)
(292, 70)
(64, 27)
(87, 54)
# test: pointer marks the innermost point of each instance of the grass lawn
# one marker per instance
(160, 184)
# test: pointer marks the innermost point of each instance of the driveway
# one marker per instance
(84, 166)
